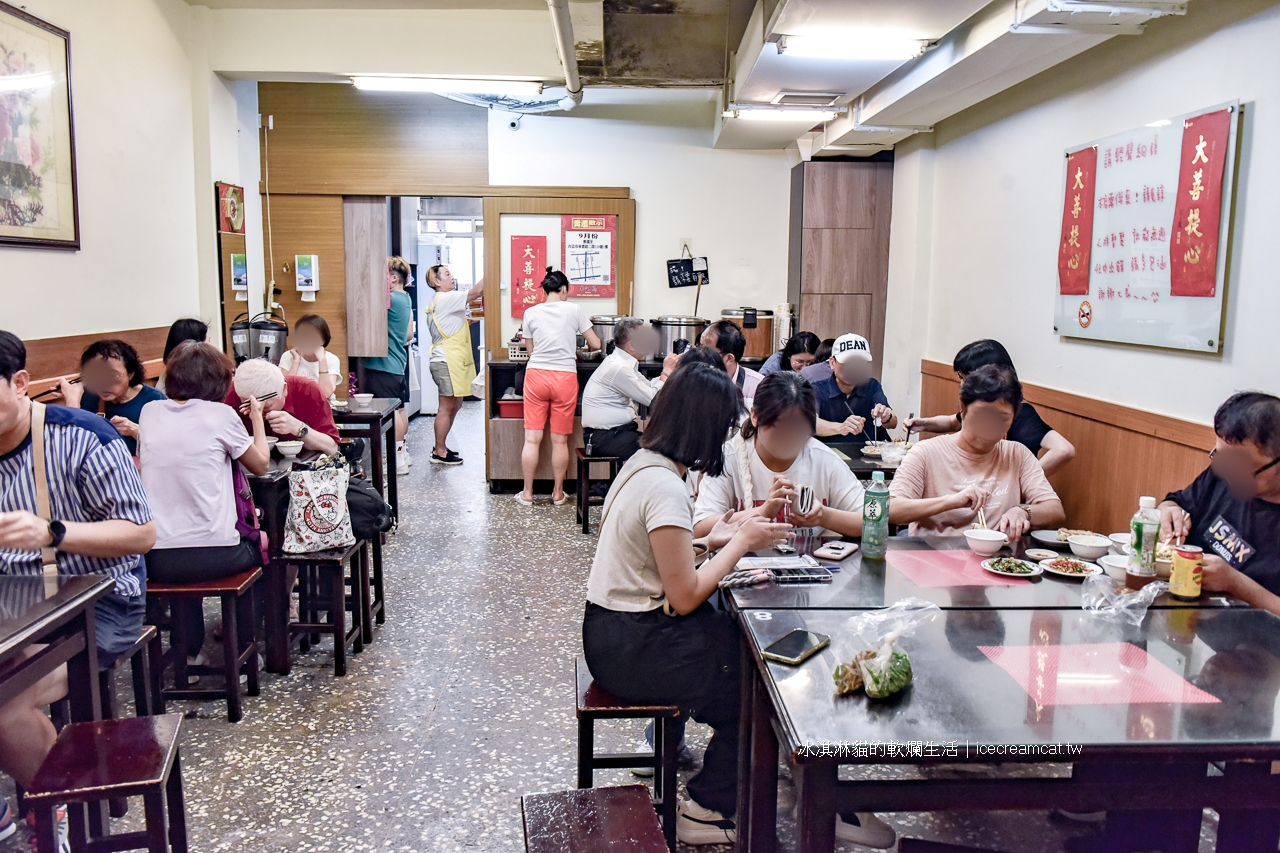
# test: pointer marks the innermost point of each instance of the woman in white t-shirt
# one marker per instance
(551, 332)
(187, 447)
(775, 454)
(649, 634)
(309, 357)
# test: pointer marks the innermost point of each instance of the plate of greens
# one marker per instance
(1010, 567)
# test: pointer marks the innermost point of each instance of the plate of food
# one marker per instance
(1009, 567)
(1057, 538)
(1039, 554)
(1068, 567)
(872, 450)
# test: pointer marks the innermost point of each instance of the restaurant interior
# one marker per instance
(381, 378)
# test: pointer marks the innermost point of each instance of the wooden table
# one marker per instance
(864, 584)
(376, 424)
(862, 466)
(964, 708)
(271, 495)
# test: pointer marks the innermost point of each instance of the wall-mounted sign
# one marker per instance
(528, 268)
(1145, 226)
(239, 271)
(230, 208)
(307, 274)
(587, 252)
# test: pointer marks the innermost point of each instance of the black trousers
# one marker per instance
(189, 565)
(622, 441)
(691, 661)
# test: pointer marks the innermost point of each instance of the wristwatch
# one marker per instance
(57, 532)
(302, 433)
(1027, 509)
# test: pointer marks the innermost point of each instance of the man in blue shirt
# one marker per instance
(100, 523)
(851, 400)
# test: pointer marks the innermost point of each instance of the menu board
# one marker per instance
(587, 250)
(1142, 252)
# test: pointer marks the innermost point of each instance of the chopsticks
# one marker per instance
(982, 519)
(910, 417)
(244, 404)
(46, 392)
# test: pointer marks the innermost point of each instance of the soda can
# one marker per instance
(1188, 566)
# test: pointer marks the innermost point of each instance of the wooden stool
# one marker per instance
(91, 762)
(595, 704)
(585, 500)
(323, 578)
(601, 820)
(236, 605)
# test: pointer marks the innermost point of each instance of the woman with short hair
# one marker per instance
(944, 481)
(649, 634)
(550, 332)
(113, 383)
(188, 449)
(185, 329)
(309, 358)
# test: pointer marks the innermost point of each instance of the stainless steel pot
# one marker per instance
(672, 328)
(602, 325)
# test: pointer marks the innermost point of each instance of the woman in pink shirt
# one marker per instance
(944, 481)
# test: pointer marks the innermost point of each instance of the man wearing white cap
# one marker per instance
(851, 400)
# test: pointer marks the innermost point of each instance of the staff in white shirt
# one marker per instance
(616, 387)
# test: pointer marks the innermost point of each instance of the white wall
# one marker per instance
(131, 96)
(983, 231)
(732, 204)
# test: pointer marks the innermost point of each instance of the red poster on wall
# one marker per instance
(1077, 223)
(589, 252)
(528, 268)
(1193, 251)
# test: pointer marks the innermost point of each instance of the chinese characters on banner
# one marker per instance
(528, 268)
(1077, 223)
(587, 254)
(1193, 253)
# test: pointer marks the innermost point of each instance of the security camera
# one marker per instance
(514, 123)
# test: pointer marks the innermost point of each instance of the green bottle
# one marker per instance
(875, 517)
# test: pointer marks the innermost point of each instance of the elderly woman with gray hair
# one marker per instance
(614, 390)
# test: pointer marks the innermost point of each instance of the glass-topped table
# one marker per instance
(995, 686)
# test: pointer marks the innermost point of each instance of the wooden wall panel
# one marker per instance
(832, 315)
(840, 194)
(1121, 453)
(312, 225)
(48, 357)
(366, 231)
(331, 138)
(842, 260)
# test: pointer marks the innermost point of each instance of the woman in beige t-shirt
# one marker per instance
(943, 482)
(648, 633)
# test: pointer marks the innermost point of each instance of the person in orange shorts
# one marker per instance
(551, 332)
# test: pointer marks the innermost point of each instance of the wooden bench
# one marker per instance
(594, 703)
(585, 500)
(323, 579)
(237, 605)
(599, 820)
(110, 759)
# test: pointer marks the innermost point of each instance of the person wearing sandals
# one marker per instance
(551, 332)
(648, 632)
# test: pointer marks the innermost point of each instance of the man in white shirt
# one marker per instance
(616, 387)
(726, 338)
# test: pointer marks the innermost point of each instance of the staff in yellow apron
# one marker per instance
(452, 367)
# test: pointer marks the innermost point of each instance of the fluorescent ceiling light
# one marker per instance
(26, 82)
(810, 116)
(1164, 122)
(864, 45)
(447, 85)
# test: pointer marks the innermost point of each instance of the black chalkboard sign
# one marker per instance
(681, 272)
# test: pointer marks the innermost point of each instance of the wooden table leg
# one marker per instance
(276, 618)
(393, 491)
(816, 819)
(376, 448)
(762, 819)
(85, 700)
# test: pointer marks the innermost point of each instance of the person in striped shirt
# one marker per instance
(101, 524)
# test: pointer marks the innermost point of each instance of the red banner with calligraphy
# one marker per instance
(528, 268)
(1077, 223)
(1197, 216)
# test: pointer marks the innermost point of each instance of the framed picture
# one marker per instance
(230, 208)
(38, 205)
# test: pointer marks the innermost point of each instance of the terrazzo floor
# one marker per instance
(463, 702)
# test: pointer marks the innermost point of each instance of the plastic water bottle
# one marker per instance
(1145, 532)
(875, 517)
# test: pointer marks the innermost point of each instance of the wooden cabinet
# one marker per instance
(839, 243)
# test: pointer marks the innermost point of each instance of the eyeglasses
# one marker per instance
(1273, 463)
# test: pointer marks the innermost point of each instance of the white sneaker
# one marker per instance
(198, 660)
(696, 825)
(866, 829)
(402, 462)
(404, 448)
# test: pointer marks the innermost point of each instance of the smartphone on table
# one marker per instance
(797, 647)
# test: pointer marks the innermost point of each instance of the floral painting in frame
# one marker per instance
(38, 205)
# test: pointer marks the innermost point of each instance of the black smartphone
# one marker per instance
(679, 346)
(797, 647)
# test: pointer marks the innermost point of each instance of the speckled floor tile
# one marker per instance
(463, 702)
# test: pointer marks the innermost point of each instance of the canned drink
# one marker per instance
(1188, 566)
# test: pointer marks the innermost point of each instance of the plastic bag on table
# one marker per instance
(881, 668)
(1103, 598)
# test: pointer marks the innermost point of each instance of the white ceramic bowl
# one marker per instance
(985, 543)
(289, 449)
(893, 454)
(1115, 565)
(1120, 543)
(363, 400)
(272, 441)
(1088, 546)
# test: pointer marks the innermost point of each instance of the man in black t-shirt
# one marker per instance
(1232, 510)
